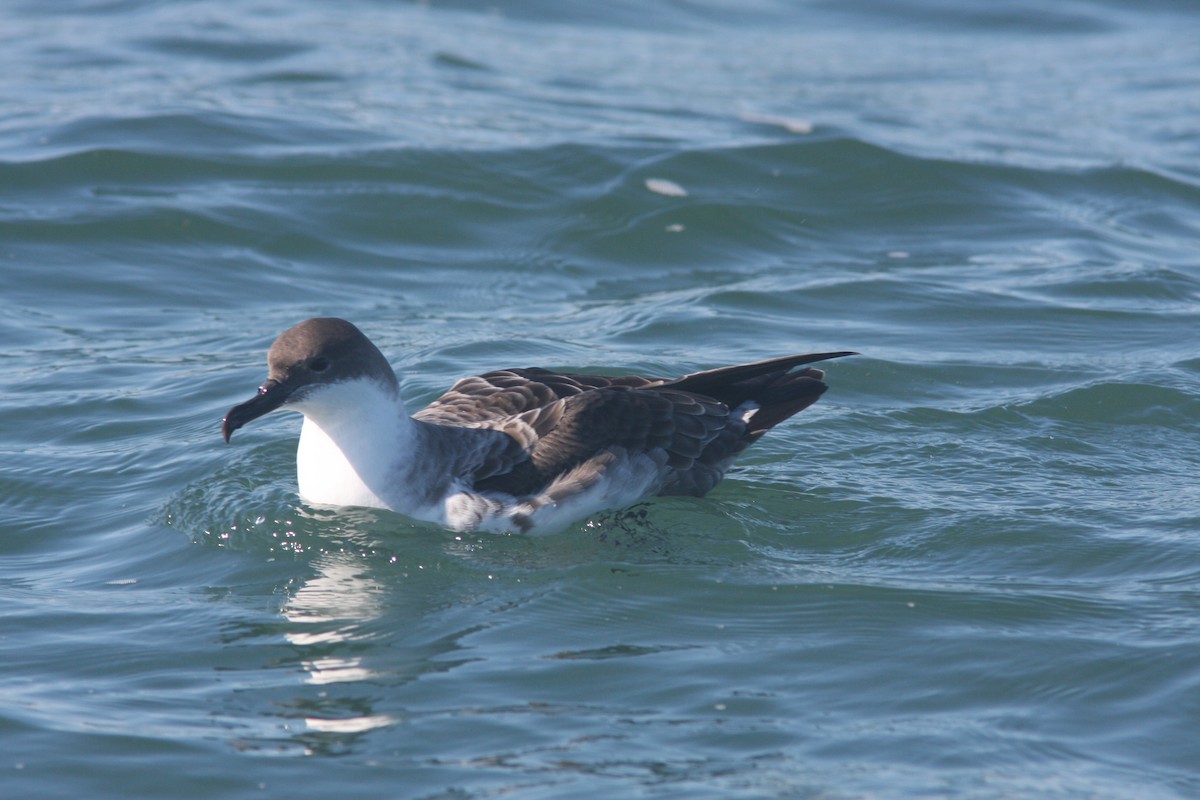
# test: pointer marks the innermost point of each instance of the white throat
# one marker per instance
(353, 444)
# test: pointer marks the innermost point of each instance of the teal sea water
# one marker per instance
(972, 570)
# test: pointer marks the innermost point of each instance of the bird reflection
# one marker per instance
(330, 610)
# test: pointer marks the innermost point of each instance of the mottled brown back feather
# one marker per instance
(561, 421)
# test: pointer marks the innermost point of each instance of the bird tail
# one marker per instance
(773, 391)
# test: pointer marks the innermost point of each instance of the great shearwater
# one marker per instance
(520, 450)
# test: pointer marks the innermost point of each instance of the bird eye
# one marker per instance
(318, 364)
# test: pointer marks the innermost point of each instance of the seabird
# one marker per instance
(515, 450)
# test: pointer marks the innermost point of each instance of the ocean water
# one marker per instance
(972, 570)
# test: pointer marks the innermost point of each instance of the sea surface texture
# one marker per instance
(972, 570)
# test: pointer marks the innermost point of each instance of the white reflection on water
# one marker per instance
(335, 603)
(333, 607)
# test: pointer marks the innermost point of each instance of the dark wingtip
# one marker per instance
(712, 380)
(227, 429)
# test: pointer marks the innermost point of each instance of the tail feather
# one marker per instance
(789, 395)
(774, 391)
(763, 394)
